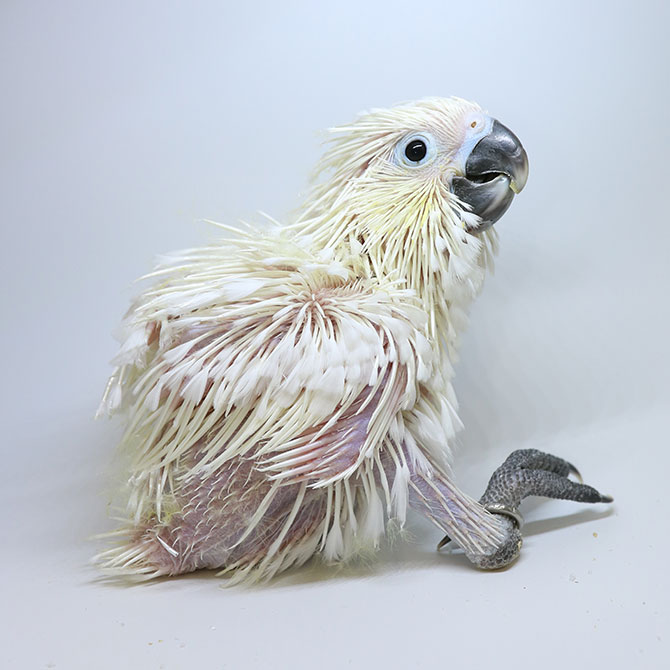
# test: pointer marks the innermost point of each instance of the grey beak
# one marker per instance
(495, 170)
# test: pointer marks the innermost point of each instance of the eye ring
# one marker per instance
(416, 150)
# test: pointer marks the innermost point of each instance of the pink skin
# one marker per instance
(206, 533)
(215, 509)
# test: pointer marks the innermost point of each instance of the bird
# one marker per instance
(287, 390)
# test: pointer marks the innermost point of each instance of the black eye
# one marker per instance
(416, 150)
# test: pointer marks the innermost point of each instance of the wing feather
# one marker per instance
(294, 364)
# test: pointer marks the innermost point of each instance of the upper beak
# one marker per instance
(495, 170)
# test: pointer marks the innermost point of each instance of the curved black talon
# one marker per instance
(443, 542)
(512, 513)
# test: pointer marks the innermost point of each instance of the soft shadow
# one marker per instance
(413, 560)
(556, 523)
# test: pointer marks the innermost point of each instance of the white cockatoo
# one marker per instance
(288, 393)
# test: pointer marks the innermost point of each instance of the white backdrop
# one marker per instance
(123, 124)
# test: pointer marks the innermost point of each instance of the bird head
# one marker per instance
(417, 186)
(444, 148)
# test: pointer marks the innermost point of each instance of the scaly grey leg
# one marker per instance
(528, 472)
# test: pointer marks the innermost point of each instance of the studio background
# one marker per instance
(124, 125)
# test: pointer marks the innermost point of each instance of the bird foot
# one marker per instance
(527, 472)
